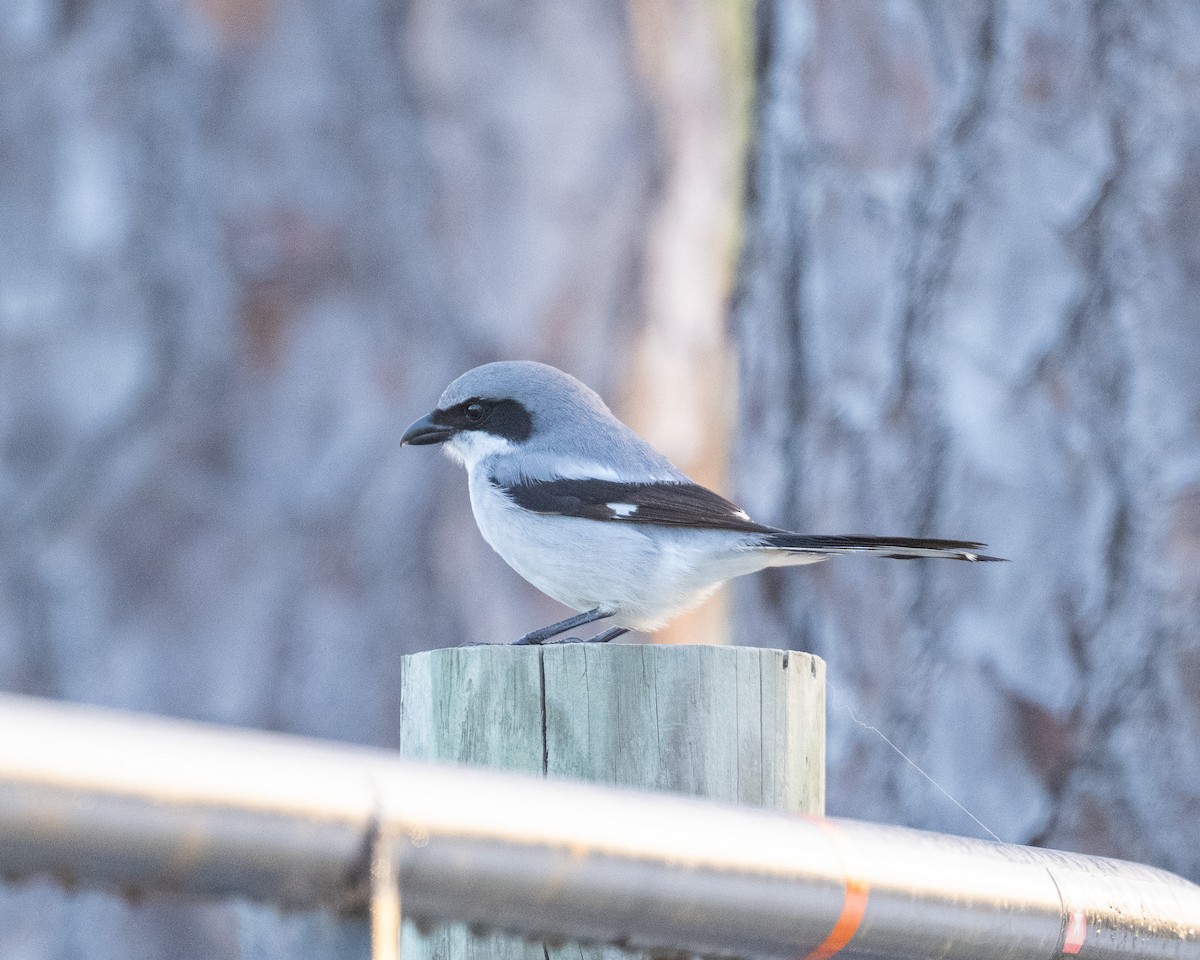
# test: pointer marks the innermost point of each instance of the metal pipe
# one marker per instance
(104, 798)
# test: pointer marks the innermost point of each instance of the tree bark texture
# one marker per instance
(243, 243)
(970, 307)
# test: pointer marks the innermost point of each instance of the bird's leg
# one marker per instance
(602, 637)
(535, 637)
(611, 634)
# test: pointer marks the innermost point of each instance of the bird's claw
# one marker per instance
(524, 642)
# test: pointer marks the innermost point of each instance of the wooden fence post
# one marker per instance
(735, 724)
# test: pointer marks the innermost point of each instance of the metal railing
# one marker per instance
(139, 802)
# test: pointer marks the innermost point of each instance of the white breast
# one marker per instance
(643, 575)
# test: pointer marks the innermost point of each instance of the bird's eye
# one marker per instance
(475, 412)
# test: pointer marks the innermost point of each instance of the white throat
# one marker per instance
(471, 446)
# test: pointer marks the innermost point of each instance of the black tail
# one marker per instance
(894, 548)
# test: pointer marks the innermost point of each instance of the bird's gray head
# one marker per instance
(552, 424)
(498, 407)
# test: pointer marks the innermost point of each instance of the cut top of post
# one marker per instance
(734, 724)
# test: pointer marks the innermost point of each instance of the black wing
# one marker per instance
(691, 505)
(671, 504)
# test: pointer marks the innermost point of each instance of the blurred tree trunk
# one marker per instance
(679, 385)
(969, 308)
(244, 245)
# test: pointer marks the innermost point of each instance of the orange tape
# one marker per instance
(854, 906)
(1076, 932)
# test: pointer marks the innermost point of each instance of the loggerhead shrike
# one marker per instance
(592, 515)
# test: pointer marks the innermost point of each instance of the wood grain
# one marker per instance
(734, 724)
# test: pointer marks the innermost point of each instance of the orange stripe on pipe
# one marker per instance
(854, 906)
(1075, 933)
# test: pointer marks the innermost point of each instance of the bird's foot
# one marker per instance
(603, 637)
(538, 637)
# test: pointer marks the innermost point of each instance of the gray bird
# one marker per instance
(593, 516)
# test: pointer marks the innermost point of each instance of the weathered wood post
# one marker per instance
(736, 724)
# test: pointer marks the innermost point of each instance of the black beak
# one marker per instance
(426, 431)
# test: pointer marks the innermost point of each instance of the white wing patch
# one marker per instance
(622, 510)
(582, 470)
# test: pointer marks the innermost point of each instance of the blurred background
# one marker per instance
(910, 267)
